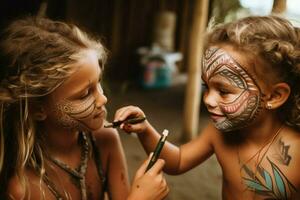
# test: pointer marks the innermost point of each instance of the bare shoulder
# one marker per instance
(206, 143)
(211, 135)
(289, 140)
(15, 190)
(286, 154)
(291, 134)
(106, 137)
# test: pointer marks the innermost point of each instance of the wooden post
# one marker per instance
(193, 90)
(183, 32)
(43, 9)
(279, 6)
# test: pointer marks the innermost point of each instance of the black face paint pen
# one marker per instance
(116, 124)
(158, 149)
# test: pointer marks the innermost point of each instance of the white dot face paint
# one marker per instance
(233, 98)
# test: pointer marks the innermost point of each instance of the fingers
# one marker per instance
(157, 167)
(152, 184)
(125, 112)
(165, 188)
(141, 171)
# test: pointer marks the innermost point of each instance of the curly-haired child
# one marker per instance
(251, 71)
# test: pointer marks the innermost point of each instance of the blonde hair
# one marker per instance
(36, 57)
(277, 43)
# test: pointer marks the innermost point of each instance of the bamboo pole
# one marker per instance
(193, 90)
(184, 30)
(279, 6)
(42, 9)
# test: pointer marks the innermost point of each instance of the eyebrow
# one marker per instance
(78, 92)
(219, 82)
(88, 85)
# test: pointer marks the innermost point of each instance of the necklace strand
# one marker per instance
(258, 153)
(268, 143)
(78, 174)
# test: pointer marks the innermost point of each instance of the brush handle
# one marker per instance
(158, 149)
(135, 120)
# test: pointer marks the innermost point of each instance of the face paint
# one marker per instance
(243, 105)
(76, 114)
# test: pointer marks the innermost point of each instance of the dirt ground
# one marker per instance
(164, 109)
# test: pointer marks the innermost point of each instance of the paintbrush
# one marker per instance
(116, 124)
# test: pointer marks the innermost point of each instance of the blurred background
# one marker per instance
(155, 49)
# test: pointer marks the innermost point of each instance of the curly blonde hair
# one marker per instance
(36, 57)
(277, 43)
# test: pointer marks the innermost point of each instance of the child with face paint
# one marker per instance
(251, 71)
(52, 142)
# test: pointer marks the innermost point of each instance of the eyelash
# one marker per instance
(85, 95)
(223, 91)
(89, 91)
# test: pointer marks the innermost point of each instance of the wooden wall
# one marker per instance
(125, 25)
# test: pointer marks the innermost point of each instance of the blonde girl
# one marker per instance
(52, 111)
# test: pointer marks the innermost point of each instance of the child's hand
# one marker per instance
(130, 112)
(150, 185)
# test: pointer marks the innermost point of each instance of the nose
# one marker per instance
(101, 99)
(209, 99)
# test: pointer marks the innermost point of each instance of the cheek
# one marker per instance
(81, 110)
(73, 115)
(245, 106)
(62, 119)
(237, 104)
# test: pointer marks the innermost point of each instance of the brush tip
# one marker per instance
(165, 132)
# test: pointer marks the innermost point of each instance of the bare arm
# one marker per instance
(15, 191)
(170, 153)
(117, 175)
(34, 191)
(178, 160)
(197, 150)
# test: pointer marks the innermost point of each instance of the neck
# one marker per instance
(60, 141)
(261, 132)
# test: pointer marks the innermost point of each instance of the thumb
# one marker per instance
(141, 171)
(158, 166)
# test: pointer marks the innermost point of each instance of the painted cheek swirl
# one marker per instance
(245, 107)
(73, 114)
(81, 110)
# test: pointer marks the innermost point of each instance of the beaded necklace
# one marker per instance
(77, 175)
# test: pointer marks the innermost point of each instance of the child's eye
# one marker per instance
(224, 92)
(85, 95)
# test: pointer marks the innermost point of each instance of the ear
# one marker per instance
(280, 92)
(38, 112)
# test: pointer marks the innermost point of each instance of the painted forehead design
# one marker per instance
(218, 61)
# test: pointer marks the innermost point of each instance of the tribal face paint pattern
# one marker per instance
(243, 108)
(74, 114)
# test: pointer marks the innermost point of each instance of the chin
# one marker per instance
(94, 124)
(97, 124)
